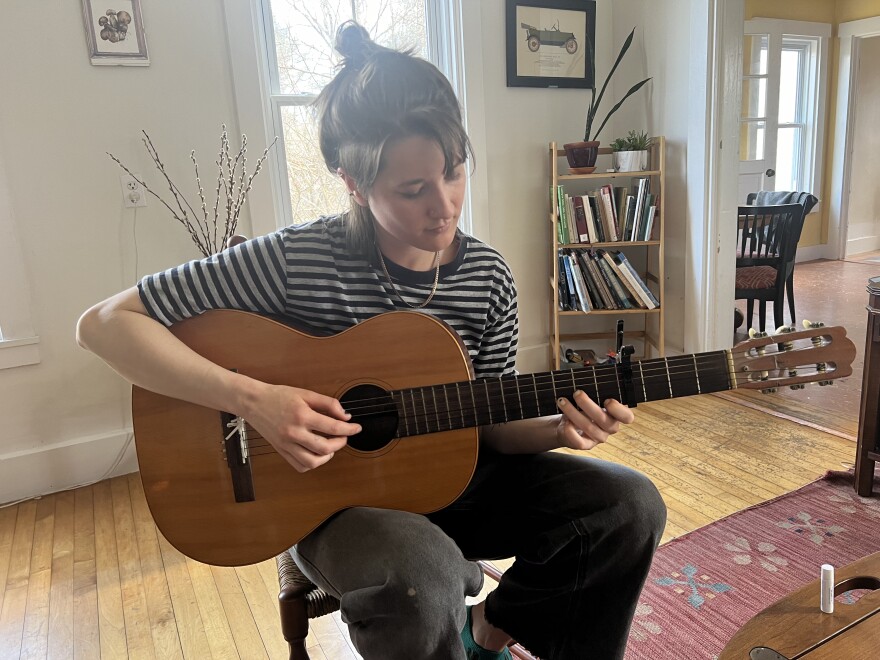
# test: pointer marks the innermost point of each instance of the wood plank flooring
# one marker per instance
(85, 574)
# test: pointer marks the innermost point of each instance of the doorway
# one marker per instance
(863, 203)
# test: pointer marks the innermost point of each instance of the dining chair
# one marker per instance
(767, 238)
(805, 199)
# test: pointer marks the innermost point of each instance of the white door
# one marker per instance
(782, 113)
(760, 103)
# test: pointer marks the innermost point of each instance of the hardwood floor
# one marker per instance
(85, 574)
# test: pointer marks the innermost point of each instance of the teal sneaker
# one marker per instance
(474, 651)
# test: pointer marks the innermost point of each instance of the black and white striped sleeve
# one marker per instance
(250, 276)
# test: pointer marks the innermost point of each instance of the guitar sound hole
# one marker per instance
(374, 409)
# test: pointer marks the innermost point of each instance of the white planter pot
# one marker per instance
(630, 161)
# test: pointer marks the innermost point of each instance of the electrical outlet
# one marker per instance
(133, 193)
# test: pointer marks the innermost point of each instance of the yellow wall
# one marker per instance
(854, 10)
(822, 11)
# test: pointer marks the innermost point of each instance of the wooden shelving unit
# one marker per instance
(593, 329)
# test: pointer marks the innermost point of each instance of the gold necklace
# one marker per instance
(436, 266)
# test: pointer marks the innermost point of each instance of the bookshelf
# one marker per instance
(595, 328)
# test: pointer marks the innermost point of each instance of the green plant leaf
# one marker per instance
(632, 90)
(594, 105)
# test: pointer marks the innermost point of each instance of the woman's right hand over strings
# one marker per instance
(305, 427)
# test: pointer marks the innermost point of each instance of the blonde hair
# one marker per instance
(380, 96)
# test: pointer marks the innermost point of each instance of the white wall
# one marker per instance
(66, 419)
(863, 233)
(58, 116)
(520, 122)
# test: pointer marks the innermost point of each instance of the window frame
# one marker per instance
(816, 37)
(19, 344)
(254, 72)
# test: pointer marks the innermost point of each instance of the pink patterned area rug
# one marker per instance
(705, 585)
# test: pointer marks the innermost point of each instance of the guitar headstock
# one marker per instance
(793, 357)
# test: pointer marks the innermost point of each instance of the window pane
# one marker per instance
(754, 98)
(313, 190)
(788, 158)
(755, 47)
(790, 83)
(304, 34)
(751, 140)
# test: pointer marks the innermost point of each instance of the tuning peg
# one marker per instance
(810, 324)
(769, 390)
(798, 386)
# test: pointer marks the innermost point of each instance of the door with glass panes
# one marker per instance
(782, 106)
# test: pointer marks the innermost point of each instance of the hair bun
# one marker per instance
(353, 43)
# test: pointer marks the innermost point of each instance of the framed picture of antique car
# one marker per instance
(550, 43)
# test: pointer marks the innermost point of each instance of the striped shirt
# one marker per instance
(306, 273)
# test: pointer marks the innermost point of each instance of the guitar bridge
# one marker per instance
(235, 447)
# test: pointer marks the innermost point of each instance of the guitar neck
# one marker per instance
(497, 400)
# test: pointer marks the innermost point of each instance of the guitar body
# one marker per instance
(182, 458)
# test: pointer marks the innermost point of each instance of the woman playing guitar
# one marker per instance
(583, 531)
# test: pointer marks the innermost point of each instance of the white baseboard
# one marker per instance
(814, 252)
(64, 465)
(862, 245)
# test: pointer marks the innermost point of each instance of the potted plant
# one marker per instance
(631, 152)
(582, 155)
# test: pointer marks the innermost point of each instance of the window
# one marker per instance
(783, 116)
(301, 63)
(281, 56)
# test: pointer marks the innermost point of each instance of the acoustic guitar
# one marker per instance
(221, 494)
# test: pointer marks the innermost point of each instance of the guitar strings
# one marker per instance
(604, 375)
(489, 407)
(673, 375)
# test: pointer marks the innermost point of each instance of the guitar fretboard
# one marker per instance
(497, 400)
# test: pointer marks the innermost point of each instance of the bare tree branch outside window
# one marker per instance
(304, 34)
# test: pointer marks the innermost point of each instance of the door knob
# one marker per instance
(770, 172)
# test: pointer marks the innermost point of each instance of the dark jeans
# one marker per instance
(583, 532)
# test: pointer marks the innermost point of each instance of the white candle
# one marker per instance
(826, 585)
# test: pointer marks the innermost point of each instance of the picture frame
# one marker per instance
(115, 32)
(550, 43)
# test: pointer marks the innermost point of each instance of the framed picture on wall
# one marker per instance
(550, 43)
(115, 32)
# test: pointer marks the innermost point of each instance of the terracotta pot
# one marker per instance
(581, 155)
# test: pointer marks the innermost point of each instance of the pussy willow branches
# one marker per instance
(232, 181)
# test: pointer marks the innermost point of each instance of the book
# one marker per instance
(646, 295)
(597, 217)
(579, 285)
(580, 217)
(589, 266)
(629, 286)
(572, 227)
(592, 234)
(560, 214)
(606, 209)
(620, 294)
(566, 285)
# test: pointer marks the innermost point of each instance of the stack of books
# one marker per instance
(600, 279)
(607, 214)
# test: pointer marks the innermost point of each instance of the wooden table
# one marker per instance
(795, 627)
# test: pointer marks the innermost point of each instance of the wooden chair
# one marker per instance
(805, 199)
(767, 238)
(300, 600)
